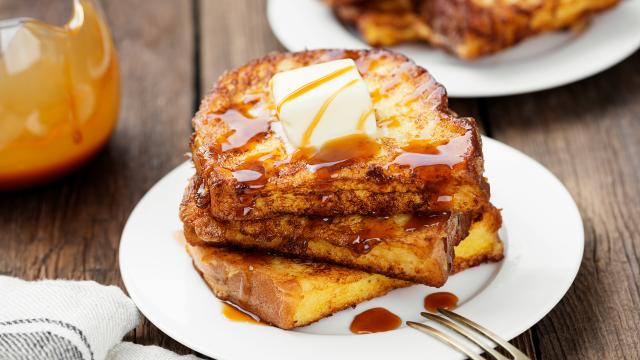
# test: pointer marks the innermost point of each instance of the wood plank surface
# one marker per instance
(171, 52)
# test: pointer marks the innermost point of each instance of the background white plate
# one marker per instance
(544, 242)
(542, 62)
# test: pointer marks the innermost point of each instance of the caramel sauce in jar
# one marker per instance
(375, 320)
(59, 95)
(440, 300)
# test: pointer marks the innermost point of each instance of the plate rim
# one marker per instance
(165, 328)
(611, 60)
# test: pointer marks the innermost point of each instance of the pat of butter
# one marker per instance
(323, 102)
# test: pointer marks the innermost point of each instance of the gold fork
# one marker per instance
(459, 345)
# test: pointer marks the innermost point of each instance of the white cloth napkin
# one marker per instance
(69, 320)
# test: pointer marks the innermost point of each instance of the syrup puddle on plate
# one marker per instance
(375, 320)
(440, 300)
(234, 314)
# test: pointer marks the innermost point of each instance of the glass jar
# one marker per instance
(59, 94)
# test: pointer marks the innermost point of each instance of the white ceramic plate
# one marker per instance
(542, 62)
(542, 232)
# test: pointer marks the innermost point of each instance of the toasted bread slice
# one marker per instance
(472, 28)
(285, 292)
(408, 247)
(289, 292)
(467, 28)
(426, 160)
(383, 22)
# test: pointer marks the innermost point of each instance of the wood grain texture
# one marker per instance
(233, 32)
(588, 134)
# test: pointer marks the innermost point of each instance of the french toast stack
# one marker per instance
(293, 237)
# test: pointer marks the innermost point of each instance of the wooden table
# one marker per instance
(171, 51)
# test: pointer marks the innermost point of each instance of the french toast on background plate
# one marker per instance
(328, 177)
(467, 28)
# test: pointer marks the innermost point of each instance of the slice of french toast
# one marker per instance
(383, 22)
(285, 292)
(472, 28)
(289, 293)
(466, 28)
(426, 159)
(417, 248)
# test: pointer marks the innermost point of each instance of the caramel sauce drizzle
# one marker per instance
(338, 153)
(390, 123)
(377, 230)
(420, 154)
(244, 128)
(332, 156)
(418, 221)
(312, 85)
(399, 76)
(419, 92)
(373, 232)
(440, 300)
(363, 119)
(234, 314)
(375, 320)
(253, 171)
(316, 119)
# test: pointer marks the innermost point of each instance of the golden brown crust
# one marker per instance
(467, 28)
(383, 22)
(472, 28)
(373, 244)
(275, 288)
(278, 289)
(409, 105)
(483, 243)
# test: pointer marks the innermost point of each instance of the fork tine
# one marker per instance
(464, 332)
(447, 339)
(519, 355)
